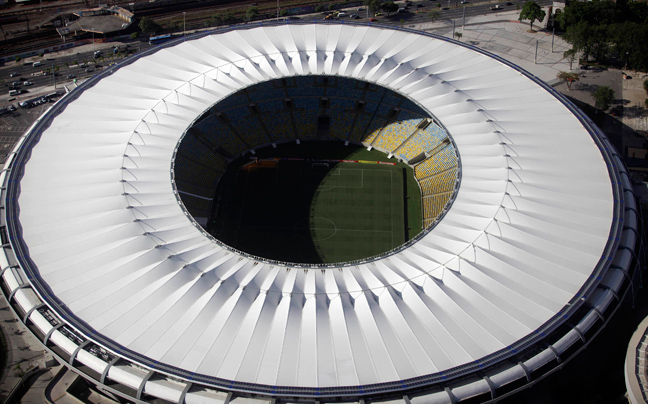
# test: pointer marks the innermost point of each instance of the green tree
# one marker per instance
(434, 15)
(319, 8)
(603, 97)
(645, 85)
(532, 11)
(567, 77)
(148, 26)
(570, 55)
(251, 13)
(283, 13)
(134, 35)
(389, 7)
(17, 59)
(458, 35)
(373, 5)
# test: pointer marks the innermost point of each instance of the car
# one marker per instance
(464, 1)
(421, 5)
(36, 64)
(361, 9)
(16, 83)
(11, 108)
(373, 20)
(14, 74)
(496, 7)
(378, 14)
(509, 3)
(28, 83)
(98, 66)
(341, 14)
(71, 76)
(83, 65)
(90, 70)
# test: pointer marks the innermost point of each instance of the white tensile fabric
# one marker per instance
(104, 228)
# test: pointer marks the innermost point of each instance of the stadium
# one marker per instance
(114, 257)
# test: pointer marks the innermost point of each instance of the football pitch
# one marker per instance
(300, 211)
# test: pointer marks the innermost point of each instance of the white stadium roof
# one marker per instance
(106, 245)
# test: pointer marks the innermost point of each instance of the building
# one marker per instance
(119, 281)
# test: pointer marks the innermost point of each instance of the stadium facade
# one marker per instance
(107, 268)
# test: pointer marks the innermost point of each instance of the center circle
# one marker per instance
(316, 170)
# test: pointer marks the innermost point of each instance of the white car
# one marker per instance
(27, 83)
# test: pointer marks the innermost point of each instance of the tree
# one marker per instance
(603, 97)
(319, 8)
(148, 26)
(570, 55)
(17, 59)
(645, 85)
(251, 13)
(568, 77)
(373, 5)
(434, 15)
(458, 35)
(389, 7)
(134, 35)
(532, 11)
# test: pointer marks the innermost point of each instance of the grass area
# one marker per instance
(303, 212)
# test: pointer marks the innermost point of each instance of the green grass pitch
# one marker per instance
(298, 211)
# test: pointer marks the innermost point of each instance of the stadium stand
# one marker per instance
(264, 91)
(444, 159)
(195, 150)
(250, 129)
(279, 125)
(423, 140)
(343, 111)
(373, 93)
(392, 99)
(220, 135)
(439, 183)
(305, 113)
(346, 89)
(394, 134)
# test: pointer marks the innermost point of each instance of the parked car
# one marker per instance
(496, 7)
(28, 83)
(90, 70)
(71, 76)
(14, 74)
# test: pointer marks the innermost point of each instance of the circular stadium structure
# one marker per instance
(112, 270)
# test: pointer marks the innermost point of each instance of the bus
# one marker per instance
(159, 39)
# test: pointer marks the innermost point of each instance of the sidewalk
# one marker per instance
(502, 34)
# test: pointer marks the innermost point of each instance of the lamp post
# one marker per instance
(184, 24)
